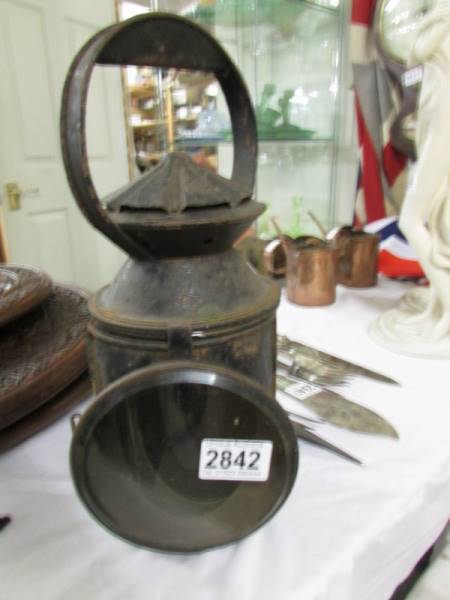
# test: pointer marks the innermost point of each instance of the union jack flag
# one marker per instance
(382, 175)
(396, 257)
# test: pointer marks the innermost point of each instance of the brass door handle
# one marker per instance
(14, 194)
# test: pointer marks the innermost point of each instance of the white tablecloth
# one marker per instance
(346, 532)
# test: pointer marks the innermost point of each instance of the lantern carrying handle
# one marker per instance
(157, 40)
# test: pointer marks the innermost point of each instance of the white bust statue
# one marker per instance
(421, 323)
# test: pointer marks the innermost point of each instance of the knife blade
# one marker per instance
(334, 407)
(286, 360)
(313, 359)
(310, 417)
(306, 433)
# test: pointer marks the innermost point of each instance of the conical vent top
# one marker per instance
(174, 186)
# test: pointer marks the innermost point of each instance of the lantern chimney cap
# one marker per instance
(175, 185)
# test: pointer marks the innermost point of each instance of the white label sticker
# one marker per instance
(303, 390)
(412, 76)
(235, 460)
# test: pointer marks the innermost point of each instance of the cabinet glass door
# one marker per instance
(291, 54)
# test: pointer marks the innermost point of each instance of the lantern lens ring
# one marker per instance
(141, 438)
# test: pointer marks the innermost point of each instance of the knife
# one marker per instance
(306, 433)
(333, 407)
(313, 359)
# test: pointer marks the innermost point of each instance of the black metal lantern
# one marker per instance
(184, 447)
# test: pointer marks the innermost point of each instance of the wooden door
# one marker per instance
(38, 39)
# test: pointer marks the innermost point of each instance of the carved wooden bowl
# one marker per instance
(21, 290)
(62, 403)
(42, 353)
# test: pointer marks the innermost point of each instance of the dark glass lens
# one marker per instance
(141, 468)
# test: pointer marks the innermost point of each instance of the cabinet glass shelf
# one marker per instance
(281, 12)
(261, 141)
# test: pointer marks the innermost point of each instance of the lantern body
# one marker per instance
(212, 308)
(184, 447)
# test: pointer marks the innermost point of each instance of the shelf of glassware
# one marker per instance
(294, 67)
(293, 75)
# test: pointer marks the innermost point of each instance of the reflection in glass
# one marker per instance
(174, 109)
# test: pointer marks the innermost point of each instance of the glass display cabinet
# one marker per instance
(293, 56)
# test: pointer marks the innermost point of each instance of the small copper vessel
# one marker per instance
(356, 255)
(311, 277)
